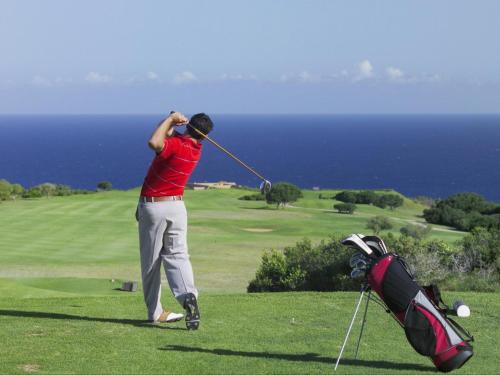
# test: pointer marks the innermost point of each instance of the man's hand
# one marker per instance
(178, 118)
(166, 129)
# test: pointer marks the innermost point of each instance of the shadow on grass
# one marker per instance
(306, 357)
(46, 315)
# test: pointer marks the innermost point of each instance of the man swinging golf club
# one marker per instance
(163, 219)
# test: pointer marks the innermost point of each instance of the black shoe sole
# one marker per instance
(192, 312)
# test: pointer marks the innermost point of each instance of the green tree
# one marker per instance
(104, 185)
(5, 190)
(283, 193)
(347, 208)
(366, 197)
(379, 223)
(16, 191)
(47, 189)
(389, 200)
(346, 197)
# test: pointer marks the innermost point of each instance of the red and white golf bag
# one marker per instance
(428, 328)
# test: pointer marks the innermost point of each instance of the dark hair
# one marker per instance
(201, 122)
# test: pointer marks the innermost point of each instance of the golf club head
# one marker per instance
(361, 265)
(358, 257)
(376, 243)
(265, 187)
(355, 241)
(357, 274)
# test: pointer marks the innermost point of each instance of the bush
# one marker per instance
(104, 185)
(379, 223)
(347, 208)
(464, 211)
(470, 265)
(417, 231)
(346, 197)
(253, 197)
(324, 267)
(10, 191)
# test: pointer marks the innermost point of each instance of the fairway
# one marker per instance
(62, 260)
(96, 235)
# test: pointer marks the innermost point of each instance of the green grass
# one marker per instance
(283, 333)
(62, 259)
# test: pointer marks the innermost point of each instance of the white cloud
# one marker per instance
(302, 77)
(41, 81)
(365, 70)
(305, 76)
(238, 77)
(153, 76)
(185, 77)
(94, 77)
(394, 74)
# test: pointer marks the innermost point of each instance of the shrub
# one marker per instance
(104, 185)
(464, 211)
(253, 197)
(417, 231)
(347, 208)
(324, 267)
(379, 223)
(346, 197)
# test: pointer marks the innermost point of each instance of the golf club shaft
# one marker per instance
(227, 152)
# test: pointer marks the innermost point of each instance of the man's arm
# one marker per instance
(165, 129)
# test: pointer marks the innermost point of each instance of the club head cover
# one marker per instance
(355, 241)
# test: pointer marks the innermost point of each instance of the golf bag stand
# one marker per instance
(364, 288)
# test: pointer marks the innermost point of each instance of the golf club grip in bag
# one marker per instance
(427, 328)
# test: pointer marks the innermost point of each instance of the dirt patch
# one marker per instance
(29, 368)
(258, 230)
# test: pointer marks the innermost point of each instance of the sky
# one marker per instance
(258, 56)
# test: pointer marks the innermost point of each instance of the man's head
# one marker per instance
(201, 122)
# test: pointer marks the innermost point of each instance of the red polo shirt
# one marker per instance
(170, 170)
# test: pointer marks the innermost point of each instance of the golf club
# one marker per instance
(355, 240)
(376, 243)
(357, 257)
(357, 274)
(265, 186)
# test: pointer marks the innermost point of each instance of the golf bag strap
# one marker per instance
(405, 265)
(437, 296)
(462, 330)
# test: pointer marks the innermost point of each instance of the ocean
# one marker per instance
(430, 155)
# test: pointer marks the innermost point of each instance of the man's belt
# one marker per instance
(160, 199)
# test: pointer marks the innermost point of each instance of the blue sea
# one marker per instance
(431, 155)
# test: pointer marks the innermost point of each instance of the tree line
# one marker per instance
(9, 191)
(464, 211)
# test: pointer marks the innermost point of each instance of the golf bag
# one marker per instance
(427, 327)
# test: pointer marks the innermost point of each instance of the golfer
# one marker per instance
(163, 219)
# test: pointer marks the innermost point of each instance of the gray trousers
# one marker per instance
(163, 239)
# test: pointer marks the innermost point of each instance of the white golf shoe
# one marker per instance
(168, 317)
